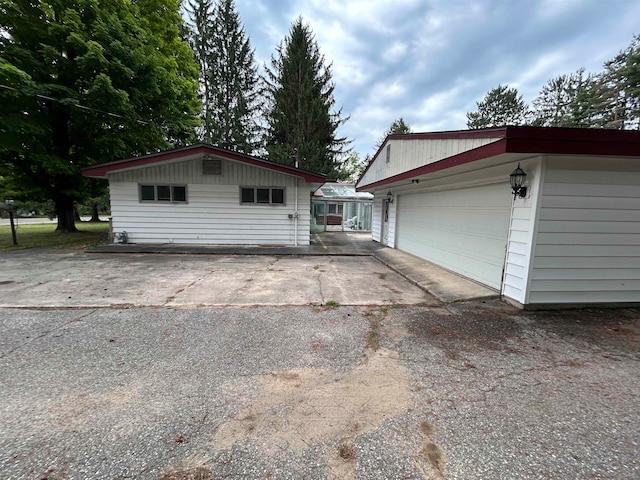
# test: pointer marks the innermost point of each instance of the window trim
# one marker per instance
(255, 195)
(171, 186)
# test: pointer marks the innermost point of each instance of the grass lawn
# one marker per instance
(45, 235)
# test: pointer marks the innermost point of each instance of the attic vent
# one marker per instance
(211, 166)
(388, 153)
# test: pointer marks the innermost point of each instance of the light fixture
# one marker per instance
(390, 197)
(415, 181)
(517, 179)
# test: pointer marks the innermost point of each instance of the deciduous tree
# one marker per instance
(89, 81)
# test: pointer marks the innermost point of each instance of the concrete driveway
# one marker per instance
(76, 279)
(180, 367)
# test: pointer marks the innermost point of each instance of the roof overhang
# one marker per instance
(516, 143)
(195, 151)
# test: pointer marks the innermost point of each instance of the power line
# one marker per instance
(82, 107)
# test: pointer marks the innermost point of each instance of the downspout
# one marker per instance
(295, 213)
(295, 216)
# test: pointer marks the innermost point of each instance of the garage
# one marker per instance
(464, 230)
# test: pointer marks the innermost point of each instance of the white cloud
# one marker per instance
(429, 61)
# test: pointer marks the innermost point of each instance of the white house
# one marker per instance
(206, 195)
(572, 238)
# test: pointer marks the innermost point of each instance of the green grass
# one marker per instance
(332, 304)
(45, 235)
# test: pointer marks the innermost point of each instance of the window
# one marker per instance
(335, 209)
(163, 193)
(262, 195)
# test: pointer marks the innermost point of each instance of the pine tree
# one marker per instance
(301, 123)
(200, 37)
(501, 106)
(569, 101)
(398, 126)
(229, 82)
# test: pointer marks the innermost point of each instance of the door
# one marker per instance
(464, 230)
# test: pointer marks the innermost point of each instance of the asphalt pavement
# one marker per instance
(300, 367)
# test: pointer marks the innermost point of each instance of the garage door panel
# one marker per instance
(463, 230)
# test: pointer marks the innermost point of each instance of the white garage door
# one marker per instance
(464, 230)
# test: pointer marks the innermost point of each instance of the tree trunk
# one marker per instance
(66, 214)
(94, 212)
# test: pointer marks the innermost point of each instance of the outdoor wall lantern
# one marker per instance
(517, 178)
(390, 197)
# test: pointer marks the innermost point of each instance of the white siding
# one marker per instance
(393, 208)
(464, 230)
(521, 234)
(410, 154)
(213, 213)
(588, 235)
(376, 222)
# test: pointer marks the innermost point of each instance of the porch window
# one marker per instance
(262, 195)
(163, 193)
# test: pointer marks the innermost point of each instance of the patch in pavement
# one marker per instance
(302, 406)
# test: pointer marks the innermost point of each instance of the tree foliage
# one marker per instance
(86, 82)
(398, 126)
(568, 101)
(301, 122)
(229, 81)
(352, 168)
(501, 106)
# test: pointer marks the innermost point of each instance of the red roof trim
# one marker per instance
(100, 171)
(489, 150)
(446, 135)
(535, 140)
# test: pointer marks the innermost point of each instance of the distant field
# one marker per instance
(45, 235)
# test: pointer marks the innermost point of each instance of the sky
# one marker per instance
(430, 61)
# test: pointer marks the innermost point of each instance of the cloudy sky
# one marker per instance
(429, 61)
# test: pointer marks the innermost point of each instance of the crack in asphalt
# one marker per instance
(46, 333)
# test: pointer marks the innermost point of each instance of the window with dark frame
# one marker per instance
(262, 195)
(163, 193)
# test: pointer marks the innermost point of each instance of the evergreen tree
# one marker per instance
(86, 82)
(500, 107)
(569, 101)
(397, 127)
(200, 36)
(228, 76)
(301, 123)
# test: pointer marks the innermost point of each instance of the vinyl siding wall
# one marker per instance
(521, 234)
(407, 155)
(376, 221)
(213, 213)
(587, 244)
(393, 208)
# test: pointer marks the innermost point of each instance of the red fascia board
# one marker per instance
(489, 150)
(446, 135)
(534, 140)
(100, 171)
